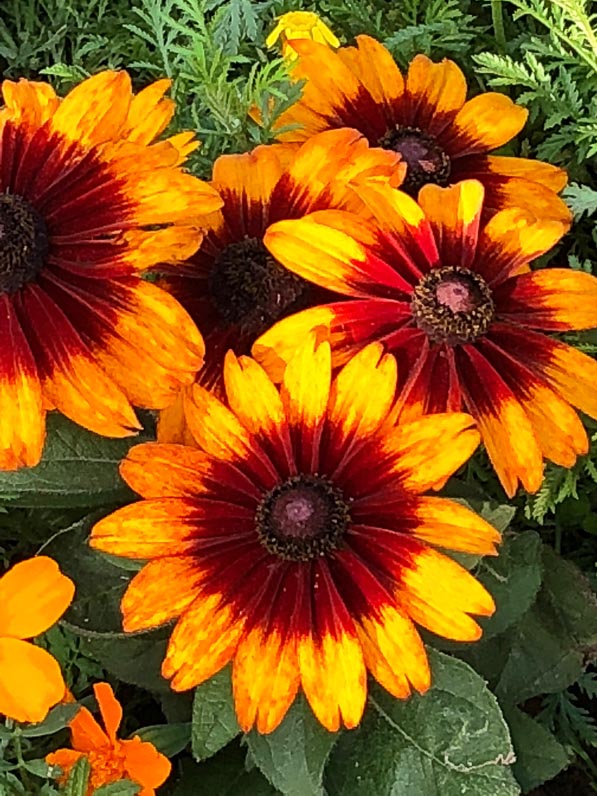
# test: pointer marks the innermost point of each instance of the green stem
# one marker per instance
(497, 18)
(16, 742)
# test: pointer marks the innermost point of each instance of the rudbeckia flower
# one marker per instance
(300, 25)
(457, 303)
(232, 287)
(33, 596)
(110, 759)
(87, 202)
(296, 541)
(424, 116)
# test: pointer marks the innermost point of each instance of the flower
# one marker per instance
(33, 596)
(232, 287)
(297, 542)
(87, 202)
(300, 25)
(457, 303)
(425, 116)
(109, 758)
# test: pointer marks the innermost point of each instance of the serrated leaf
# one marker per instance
(78, 779)
(123, 787)
(293, 757)
(77, 468)
(539, 755)
(453, 741)
(513, 580)
(169, 739)
(214, 719)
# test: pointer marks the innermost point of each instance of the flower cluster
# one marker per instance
(329, 329)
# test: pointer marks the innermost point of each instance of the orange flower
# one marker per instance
(33, 596)
(297, 541)
(456, 301)
(87, 203)
(426, 117)
(232, 287)
(300, 25)
(110, 759)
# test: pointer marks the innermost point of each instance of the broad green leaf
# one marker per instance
(39, 768)
(57, 719)
(539, 755)
(169, 739)
(452, 741)
(214, 719)
(544, 652)
(224, 774)
(293, 757)
(78, 779)
(513, 580)
(123, 787)
(78, 468)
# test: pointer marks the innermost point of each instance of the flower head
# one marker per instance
(33, 596)
(87, 202)
(457, 303)
(425, 116)
(232, 287)
(300, 25)
(296, 540)
(110, 759)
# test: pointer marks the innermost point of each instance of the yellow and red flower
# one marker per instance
(300, 25)
(33, 596)
(426, 117)
(110, 759)
(232, 287)
(87, 203)
(296, 541)
(457, 303)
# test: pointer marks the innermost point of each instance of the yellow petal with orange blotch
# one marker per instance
(488, 121)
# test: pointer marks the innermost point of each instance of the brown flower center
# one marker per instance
(248, 287)
(426, 161)
(23, 243)
(453, 305)
(303, 518)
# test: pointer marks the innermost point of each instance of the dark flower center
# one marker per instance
(426, 161)
(303, 518)
(453, 305)
(23, 243)
(248, 287)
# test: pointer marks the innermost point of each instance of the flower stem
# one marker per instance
(497, 19)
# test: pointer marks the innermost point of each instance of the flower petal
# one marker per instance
(30, 681)
(484, 123)
(144, 764)
(435, 93)
(110, 708)
(33, 596)
(376, 69)
(532, 170)
(86, 733)
(29, 103)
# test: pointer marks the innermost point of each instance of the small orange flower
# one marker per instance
(300, 25)
(109, 758)
(33, 596)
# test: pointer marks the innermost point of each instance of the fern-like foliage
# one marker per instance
(572, 723)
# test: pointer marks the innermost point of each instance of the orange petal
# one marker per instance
(145, 765)
(149, 112)
(533, 170)
(172, 426)
(535, 198)
(486, 122)
(506, 430)
(22, 429)
(86, 733)
(573, 375)
(33, 594)
(30, 681)
(160, 592)
(109, 708)
(440, 594)
(168, 196)
(454, 214)
(29, 102)
(65, 759)
(435, 93)
(375, 68)
(265, 679)
(203, 641)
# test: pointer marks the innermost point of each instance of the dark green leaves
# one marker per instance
(78, 468)
(214, 719)
(451, 742)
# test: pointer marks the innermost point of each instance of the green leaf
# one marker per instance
(293, 757)
(453, 741)
(224, 774)
(123, 787)
(169, 739)
(513, 580)
(539, 755)
(39, 768)
(214, 719)
(57, 719)
(78, 468)
(78, 779)
(544, 652)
